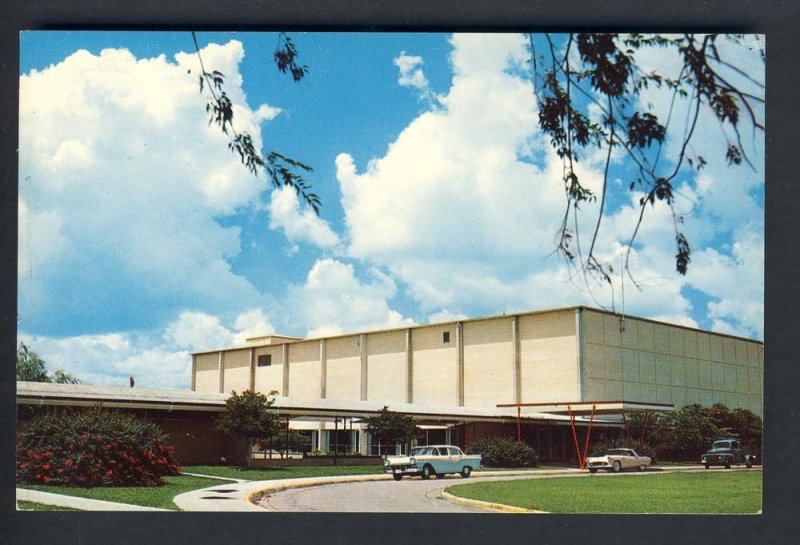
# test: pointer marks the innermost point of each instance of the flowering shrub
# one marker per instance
(93, 448)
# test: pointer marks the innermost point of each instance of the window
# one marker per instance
(446, 337)
(264, 360)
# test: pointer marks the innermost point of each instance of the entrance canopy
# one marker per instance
(577, 409)
(585, 408)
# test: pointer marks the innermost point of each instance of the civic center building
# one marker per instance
(534, 375)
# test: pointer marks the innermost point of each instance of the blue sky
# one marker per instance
(142, 239)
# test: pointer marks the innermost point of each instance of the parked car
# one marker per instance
(426, 461)
(726, 452)
(617, 459)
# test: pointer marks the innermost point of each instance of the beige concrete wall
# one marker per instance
(207, 372)
(488, 362)
(270, 377)
(386, 357)
(549, 357)
(651, 362)
(304, 370)
(237, 370)
(344, 368)
(435, 365)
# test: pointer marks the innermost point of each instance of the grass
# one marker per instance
(33, 506)
(696, 492)
(268, 474)
(148, 496)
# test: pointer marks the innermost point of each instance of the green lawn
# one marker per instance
(282, 472)
(149, 496)
(32, 506)
(696, 492)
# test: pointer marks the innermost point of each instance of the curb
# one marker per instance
(258, 495)
(499, 507)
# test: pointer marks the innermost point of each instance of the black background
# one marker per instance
(777, 19)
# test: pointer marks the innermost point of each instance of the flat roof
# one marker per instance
(481, 318)
(48, 394)
(584, 408)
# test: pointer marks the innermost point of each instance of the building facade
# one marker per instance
(568, 355)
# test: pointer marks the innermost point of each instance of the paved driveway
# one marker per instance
(406, 496)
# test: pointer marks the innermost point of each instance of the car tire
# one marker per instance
(466, 472)
(727, 464)
(427, 471)
(616, 467)
(641, 468)
(707, 466)
(592, 470)
(749, 463)
(397, 476)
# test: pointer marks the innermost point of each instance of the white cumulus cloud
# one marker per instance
(299, 225)
(121, 185)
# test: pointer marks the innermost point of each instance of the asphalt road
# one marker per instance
(406, 496)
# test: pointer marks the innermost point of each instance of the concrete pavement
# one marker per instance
(74, 502)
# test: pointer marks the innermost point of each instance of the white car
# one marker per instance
(617, 459)
(427, 461)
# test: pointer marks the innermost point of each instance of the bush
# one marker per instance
(93, 448)
(503, 452)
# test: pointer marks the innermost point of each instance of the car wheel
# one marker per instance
(616, 467)
(397, 476)
(707, 466)
(466, 472)
(427, 471)
(641, 468)
(749, 464)
(728, 464)
(592, 470)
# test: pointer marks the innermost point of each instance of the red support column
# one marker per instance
(575, 436)
(588, 435)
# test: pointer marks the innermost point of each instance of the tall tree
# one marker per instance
(31, 367)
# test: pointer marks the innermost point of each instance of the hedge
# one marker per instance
(97, 447)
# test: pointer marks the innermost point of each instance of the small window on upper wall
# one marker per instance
(264, 360)
(446, 337)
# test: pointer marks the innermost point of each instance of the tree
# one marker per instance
(684, 434)
(280, 169)
(590, 88)
(31, 367)
(249, 415)
(592, 73)
(738, 422)
(390, 428)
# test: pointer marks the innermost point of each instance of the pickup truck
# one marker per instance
(727, 452)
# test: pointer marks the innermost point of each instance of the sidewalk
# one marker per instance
(74, 502)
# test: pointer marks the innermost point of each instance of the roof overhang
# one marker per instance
(47, 394)
(585, 408)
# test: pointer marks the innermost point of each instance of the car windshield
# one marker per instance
(619, 452)
(721, 445)
(420, 451)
